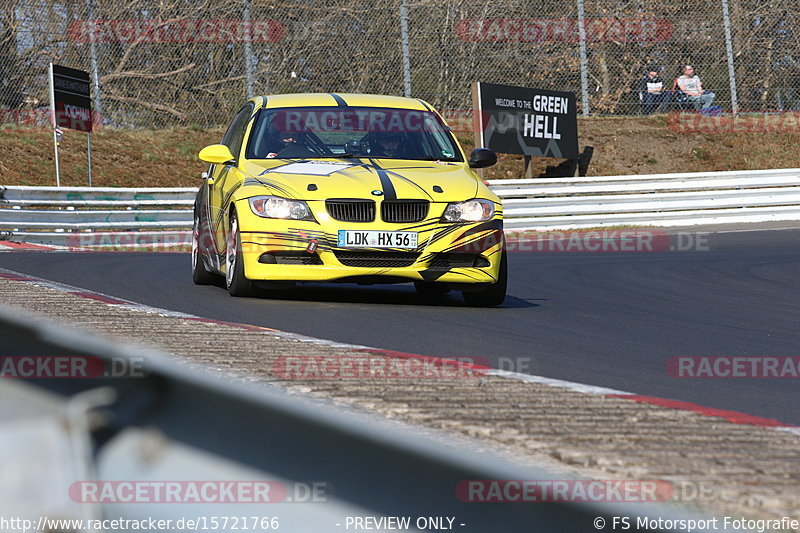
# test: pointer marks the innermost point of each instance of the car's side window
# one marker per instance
(234, 137)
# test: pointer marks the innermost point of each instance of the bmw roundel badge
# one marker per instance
(377, 193)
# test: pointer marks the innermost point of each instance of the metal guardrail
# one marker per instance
(69, 216)
(180, 424)
(97, 196)
(650, 200)
(86, 217)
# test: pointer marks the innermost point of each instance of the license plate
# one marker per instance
(377, 239)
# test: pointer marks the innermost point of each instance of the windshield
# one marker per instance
(344, 132)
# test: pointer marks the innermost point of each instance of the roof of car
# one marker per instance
(339, 100)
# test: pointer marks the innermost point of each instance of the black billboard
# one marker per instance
(531, 122)
(73, 107)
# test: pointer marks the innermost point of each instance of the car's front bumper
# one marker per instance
(284, 250)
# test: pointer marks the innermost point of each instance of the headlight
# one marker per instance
(470, 211)
(277, 207)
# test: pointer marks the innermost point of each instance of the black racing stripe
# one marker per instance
(410, 182)
(425, 105)
(339, 100)
(227, 200)
(386, 182)
(426, 225)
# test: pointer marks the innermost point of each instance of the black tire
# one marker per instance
(200, 275)
(237, 283)
(430, 289)
(493, 294)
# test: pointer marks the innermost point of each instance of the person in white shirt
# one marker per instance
(690, 84)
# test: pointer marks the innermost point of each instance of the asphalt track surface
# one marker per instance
(606, 319)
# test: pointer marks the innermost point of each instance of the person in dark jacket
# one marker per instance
(651, 91)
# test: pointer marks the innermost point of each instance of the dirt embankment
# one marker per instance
(624, 145)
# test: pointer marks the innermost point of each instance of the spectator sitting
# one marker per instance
(652, 93)
(689, 84)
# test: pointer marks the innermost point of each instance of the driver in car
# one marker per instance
(286, 141)
(386, 144)
(289, 145)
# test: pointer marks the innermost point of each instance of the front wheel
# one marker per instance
(237, 284)
(495, 293)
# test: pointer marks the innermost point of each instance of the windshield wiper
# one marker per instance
(335, 156)
(431, 158)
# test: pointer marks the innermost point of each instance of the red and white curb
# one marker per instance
(733, 417)
(10, 246)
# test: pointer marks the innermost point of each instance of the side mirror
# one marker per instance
(216, 154)
(482, 158)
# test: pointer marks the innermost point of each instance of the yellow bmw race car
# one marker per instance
(347, 188)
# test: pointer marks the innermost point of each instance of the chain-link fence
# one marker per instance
(157, 63)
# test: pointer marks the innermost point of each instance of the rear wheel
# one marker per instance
(237, 284)
(200, 275)
(493, 294)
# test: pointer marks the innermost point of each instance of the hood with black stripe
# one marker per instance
(362, 178)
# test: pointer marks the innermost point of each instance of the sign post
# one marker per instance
(70, 107)
(54, 122)
(525, 121)
(89, 155)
